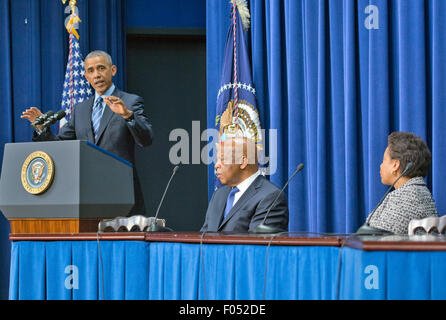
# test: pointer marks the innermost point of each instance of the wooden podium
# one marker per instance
(63, 186)
(43, 225)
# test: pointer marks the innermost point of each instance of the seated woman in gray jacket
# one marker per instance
(410, 199)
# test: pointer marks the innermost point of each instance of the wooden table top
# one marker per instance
(367, 243)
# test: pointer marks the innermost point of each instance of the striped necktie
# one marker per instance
(96, 116)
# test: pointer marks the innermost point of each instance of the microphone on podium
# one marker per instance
(263, 228)
(154, 227)
(366, 229)
(53, 118)
(40, 120)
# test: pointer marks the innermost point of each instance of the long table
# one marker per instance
(289, 266)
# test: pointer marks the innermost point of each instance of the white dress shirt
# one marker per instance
(244, 185)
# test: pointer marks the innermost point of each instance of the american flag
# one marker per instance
(75, 88)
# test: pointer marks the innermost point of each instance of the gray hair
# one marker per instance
(100, 53)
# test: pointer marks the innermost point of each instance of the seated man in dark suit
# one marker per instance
(241, 204)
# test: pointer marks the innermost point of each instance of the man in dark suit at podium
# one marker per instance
(111, 119)
(242, 203)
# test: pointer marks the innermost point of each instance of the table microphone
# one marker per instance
(263, 228)
(42, 118)
(366, 229)
(154, 227)
(53, 118)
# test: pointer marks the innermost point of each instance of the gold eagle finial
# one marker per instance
(73, 20)
(71, 3)
(243, 10)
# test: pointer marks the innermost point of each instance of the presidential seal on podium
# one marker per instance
(37, 172)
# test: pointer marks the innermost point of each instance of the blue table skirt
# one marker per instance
(393, 275)
(143, 270)
(150, 270)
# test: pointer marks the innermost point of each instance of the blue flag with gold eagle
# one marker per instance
(237, 114)
(236, 100)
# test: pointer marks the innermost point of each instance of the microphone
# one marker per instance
(154, 227)
(42, 119)
(53, 118)
(263, 228)
(366, 229)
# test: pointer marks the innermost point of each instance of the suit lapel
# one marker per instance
(220, 204)
(106, 116)
(248, 194)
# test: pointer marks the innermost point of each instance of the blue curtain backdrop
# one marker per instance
(6, 134)
(335, 77)
(33, 58)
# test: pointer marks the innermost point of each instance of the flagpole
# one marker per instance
(76, 88)
(234, 26)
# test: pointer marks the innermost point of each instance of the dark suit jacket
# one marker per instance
(249, 211)
(115, 134)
